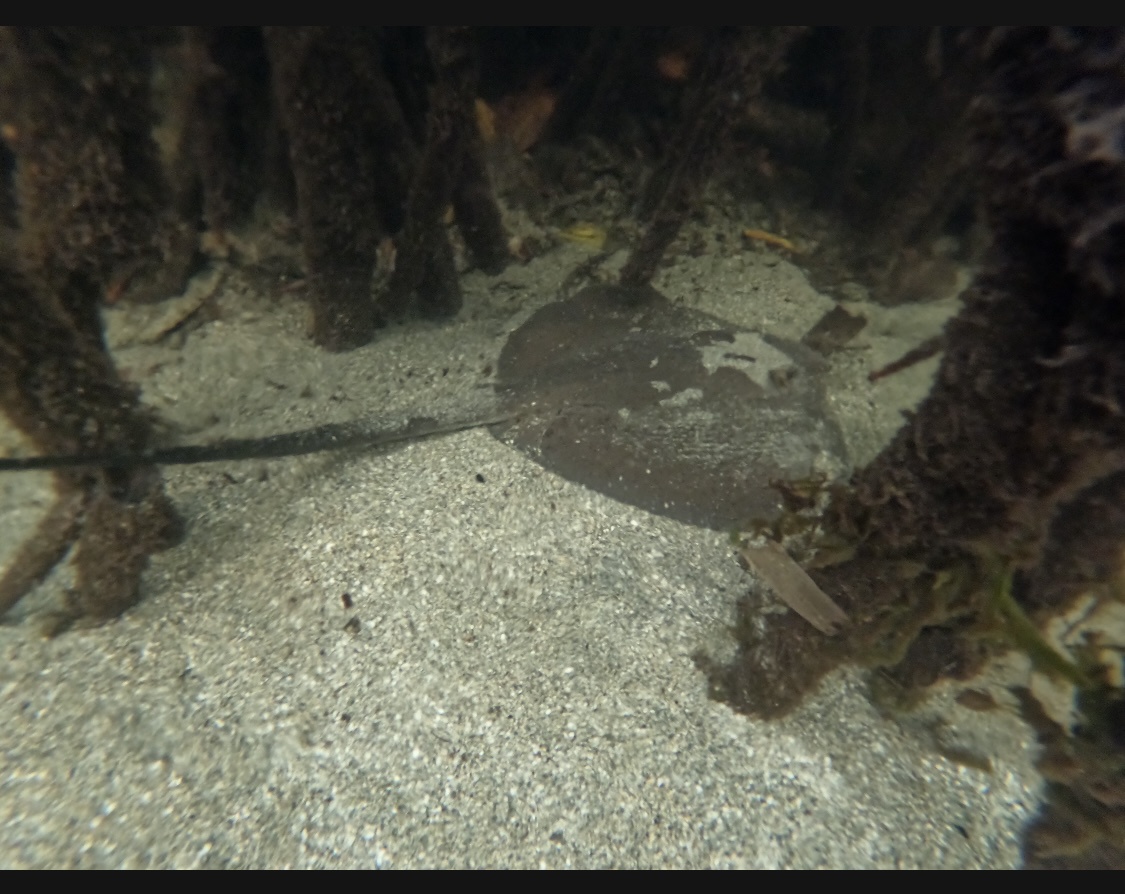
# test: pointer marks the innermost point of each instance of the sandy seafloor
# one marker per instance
(513, 685)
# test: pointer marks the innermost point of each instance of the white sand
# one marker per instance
(513, 685)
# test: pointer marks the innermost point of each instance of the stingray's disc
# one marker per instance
(667, 408)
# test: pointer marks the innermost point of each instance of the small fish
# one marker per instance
(793, 585)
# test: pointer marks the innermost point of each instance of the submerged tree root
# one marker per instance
(112, 533)
(42, 551)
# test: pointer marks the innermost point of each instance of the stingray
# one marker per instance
(649, 402)
(666, 408)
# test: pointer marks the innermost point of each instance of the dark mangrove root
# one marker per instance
(451, 170)
(56, 385)
(1023, 434)
(933, 176)
(94, 221)
(59, 387)
(843, 145)
(227, 125)
(1083, 550)
(113, 531)
(424, 267)
(589, 74)
(730, 77)
(127, 519)
(351, 154)
(93, 212)
(474, 203)
(43, 550)
(478, 215)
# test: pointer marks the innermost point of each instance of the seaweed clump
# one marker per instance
(1082, 824)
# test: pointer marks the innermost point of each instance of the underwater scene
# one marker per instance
(615, 447)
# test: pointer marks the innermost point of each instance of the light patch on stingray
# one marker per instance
(750, 354)
(683, 398)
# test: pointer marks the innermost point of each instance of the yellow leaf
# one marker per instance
(486, 121)
(588, 234)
